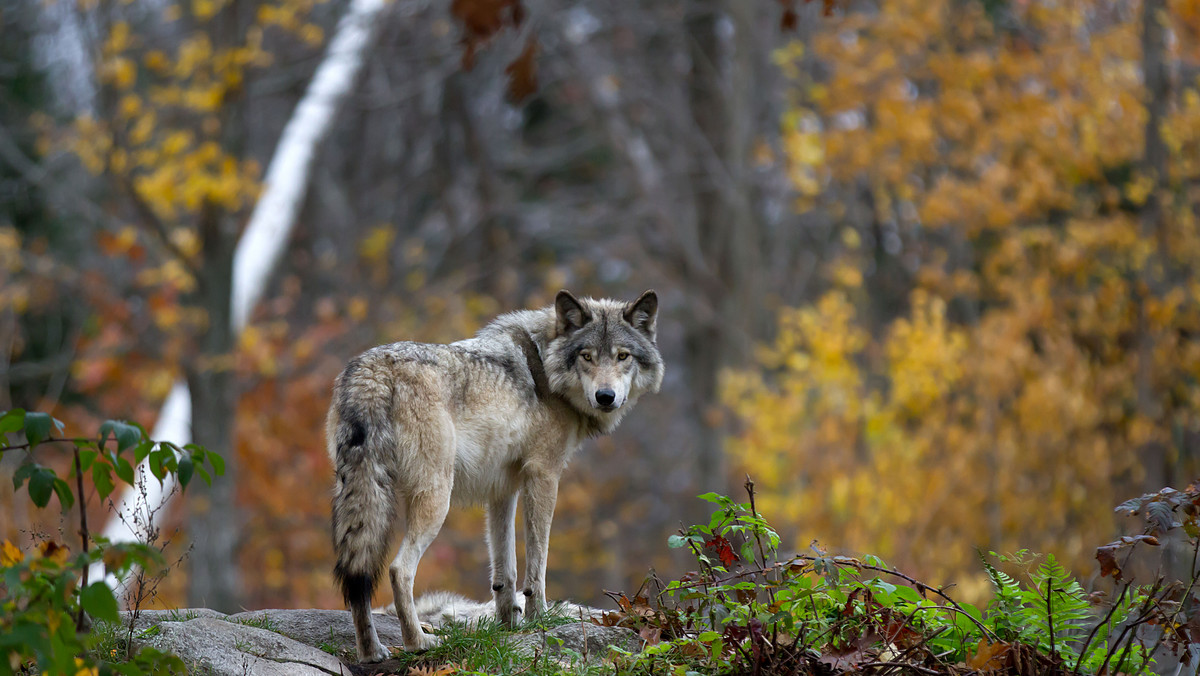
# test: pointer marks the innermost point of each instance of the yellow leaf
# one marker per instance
(10, 555)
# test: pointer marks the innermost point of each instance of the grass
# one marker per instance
(487, 647)
(109, 641)
(177, 616)
(263, 622)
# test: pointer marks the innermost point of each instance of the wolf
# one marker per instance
(477, 421)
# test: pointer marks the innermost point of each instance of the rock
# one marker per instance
(333, 629)
(310, 641)
(219, 647)
(584, 638)
(149, 618)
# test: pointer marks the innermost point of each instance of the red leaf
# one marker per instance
(723, 548)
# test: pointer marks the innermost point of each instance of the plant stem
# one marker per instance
(83, 529)
(1092, 634)
(50, 440)
(758, 538)
(1050, 611)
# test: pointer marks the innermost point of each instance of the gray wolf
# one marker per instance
(476, 422)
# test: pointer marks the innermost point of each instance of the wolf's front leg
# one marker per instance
(541, 492)
(502, 547)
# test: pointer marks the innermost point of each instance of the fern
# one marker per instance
(1054, 610)
(1005, 607)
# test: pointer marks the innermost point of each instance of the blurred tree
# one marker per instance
(1004, 347)
(169, 135)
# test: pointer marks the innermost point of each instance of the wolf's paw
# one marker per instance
(378, 653)
(509, 616)
(424, 642)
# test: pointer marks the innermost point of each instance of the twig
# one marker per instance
(1092, 634)
(899, 665)
(758, 538)
(1143, 615)
(1050, 612)
(83, 531)
(51, 440)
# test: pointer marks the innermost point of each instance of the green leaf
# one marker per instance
(677, 541)
(124, 470)
(12, 420)
(24, 472)
(217, 462)
(41, 486)
(157, 457)
(126, 435)
(142, 450)
(186, 467)
(708, 637)
(86, 457)
(98, 601)
(37, 427)
(102, 477)
(65, 497)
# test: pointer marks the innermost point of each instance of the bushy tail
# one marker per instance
(364, 505)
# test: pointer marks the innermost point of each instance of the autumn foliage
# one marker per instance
(1004, 347)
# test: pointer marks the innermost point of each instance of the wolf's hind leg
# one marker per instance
(426, 512)
(502, 546)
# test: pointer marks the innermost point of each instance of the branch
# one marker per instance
(155, 224)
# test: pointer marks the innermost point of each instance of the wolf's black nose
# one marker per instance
(605, 397)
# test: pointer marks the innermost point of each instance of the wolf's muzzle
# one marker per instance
(605, 398)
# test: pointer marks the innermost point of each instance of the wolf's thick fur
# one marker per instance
(476, 422)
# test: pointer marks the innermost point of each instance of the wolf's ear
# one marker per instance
(642, 314)
(569, 314)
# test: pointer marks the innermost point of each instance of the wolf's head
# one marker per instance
(603, 356)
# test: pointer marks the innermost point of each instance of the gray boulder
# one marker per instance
(330, 629)
(148, 618)
(216, 646)
(310, 641)
(587, 640)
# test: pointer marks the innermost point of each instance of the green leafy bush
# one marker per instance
(749, 610)
(46, 599)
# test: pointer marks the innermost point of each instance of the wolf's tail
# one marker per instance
(364, 502)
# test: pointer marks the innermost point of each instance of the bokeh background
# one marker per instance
(926, 267)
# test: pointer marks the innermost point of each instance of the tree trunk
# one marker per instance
(213, 519)
(720, 89)
(258, 253)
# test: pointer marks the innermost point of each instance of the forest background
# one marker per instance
(925, 266)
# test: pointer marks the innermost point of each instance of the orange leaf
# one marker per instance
(522, 73)
(988, 656)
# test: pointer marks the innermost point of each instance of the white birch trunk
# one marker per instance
(263, 242)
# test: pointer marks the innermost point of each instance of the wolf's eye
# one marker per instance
(586, 356)
(622, 356)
